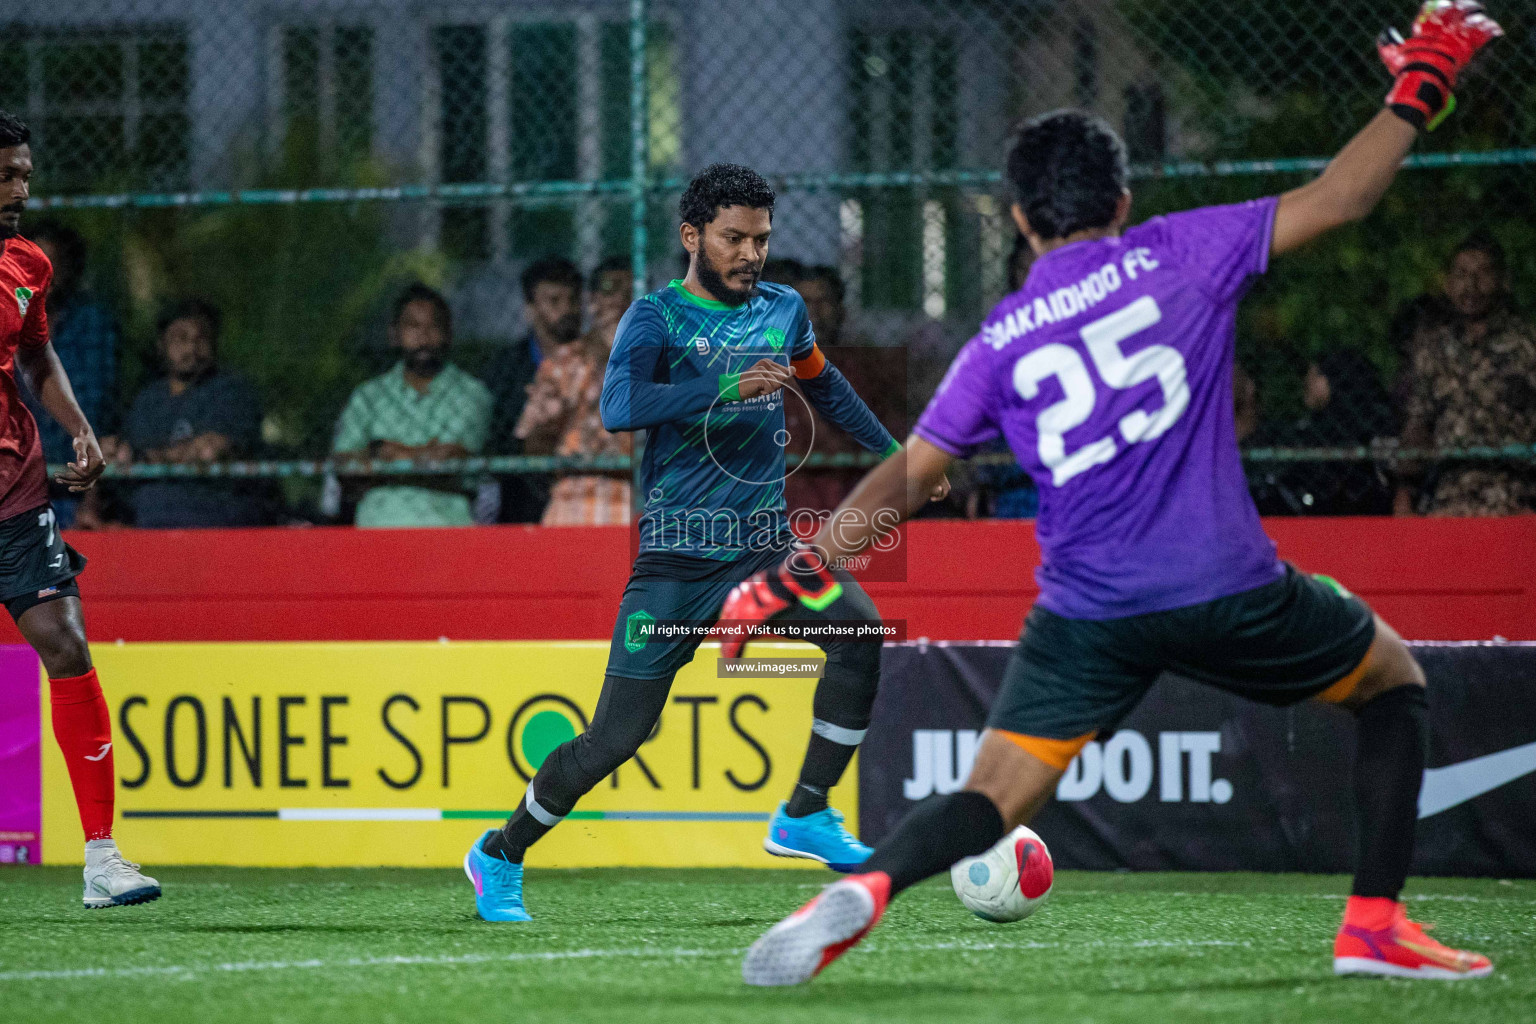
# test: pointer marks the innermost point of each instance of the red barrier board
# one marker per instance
(1434, 579)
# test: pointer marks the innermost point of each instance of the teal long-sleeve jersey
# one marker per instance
(712, 477)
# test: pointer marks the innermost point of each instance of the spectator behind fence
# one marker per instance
(1245, 403)
(1344, 405)
(552, 308)
(612, 289)
(877, 375)
(819, 490)
(195, 415)
(1002, 490)
(562, 418)
(782, 270)
(1409, 327)
(423, 408)
(1474, 383)
(85, 335)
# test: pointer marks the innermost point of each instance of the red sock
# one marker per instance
(1373, 913)
(83, 726)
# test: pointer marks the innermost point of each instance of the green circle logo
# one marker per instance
(544, 732)
(539, 725)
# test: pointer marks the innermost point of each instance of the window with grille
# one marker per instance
(536, 101)
(903, 115)
(107, 106)
(321, 93)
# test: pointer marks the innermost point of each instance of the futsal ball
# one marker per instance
(1009, 881)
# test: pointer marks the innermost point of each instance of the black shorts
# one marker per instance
(1281, 643)
(36, 566)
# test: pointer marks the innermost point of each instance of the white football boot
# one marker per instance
(111, 881)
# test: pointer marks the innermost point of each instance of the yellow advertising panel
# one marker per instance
(365, 754)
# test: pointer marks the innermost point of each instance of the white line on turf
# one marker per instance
(984, 947)
(1340, 897)
(240, 967)
(187, 971)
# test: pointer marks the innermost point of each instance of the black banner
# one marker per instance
(1199, 780)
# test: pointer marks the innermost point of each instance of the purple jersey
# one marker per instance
(1109, 374)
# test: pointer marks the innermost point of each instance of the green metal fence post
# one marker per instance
(639, 138)
(639, 184)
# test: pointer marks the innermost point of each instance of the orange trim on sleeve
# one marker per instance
(1341, 690)
(811, 365)
(1056, 753)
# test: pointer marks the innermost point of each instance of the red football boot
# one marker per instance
(799, 947)
(1378, 938)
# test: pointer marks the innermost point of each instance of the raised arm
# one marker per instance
(1446, 36)
(1349, 188)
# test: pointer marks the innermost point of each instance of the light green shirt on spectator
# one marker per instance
(455, 410)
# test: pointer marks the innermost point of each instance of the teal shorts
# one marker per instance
(1279, 644)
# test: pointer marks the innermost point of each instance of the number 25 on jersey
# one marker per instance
(1103, 338)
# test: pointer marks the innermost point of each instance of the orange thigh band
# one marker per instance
(1341, 690)
(1056, 753)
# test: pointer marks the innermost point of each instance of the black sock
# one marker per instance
(533, 818)
(512, 840)
(805, 800)
(844, 700)
(825, 762)
(938, 832)
(627, 711)
(1393, 731)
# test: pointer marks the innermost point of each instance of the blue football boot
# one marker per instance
(498, 884)
(820, 836)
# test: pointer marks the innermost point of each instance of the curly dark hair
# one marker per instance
(13, 131)
(1482, 240)
(1068, 170)
(551, 270)
(418, 292)
(830, 276)
(721, 185)
(623, 264)
(192, 309)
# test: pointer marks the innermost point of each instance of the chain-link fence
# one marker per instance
(296, 164)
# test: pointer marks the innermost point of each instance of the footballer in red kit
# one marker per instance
(37, 569)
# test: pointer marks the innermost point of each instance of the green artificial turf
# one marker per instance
(232, 945)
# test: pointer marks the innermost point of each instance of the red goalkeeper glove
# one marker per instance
(803, 577)
(1446, 35)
